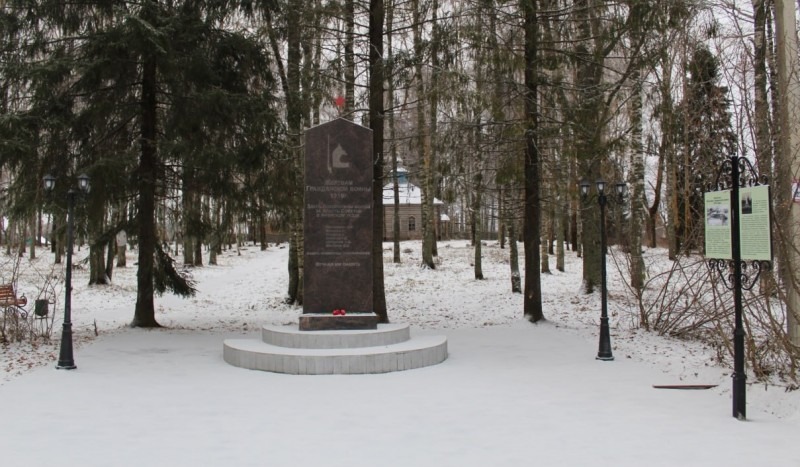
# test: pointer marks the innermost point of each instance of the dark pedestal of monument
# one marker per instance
(328, 322)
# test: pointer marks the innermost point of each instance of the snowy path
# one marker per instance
(510, 393)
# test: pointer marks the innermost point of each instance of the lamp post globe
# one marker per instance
(83, 183)
(49, 182)
(584, 185)
(622, 190)
(601, 186)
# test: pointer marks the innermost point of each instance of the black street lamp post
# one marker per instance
(604, 350)
(65, 358)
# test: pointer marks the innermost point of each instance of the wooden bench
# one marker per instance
(9, 301)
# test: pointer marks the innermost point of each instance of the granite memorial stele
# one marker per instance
(337, 228)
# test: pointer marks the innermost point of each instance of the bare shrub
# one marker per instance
(20, 324)
(689, 300)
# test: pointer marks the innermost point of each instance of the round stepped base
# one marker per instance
(287, 350)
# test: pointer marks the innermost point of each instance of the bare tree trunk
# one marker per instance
(532, 306)
(424, 142)
(2, 228)
(144, 314)
(57, 239)
(202, 239)
(33, 237)
(376, 124)
(262, 234)
(561, 191)
(763, 150)
(121, 239)
(198, 243)
(349, 59)
(673, 214)
(544, 256)
(10, 237)
(574, 224)
(476, 220)
(636, 181)
(294, 114)
(588, 131)
(653, 209)
(516, 282)
(501, 231)
(110, 255)
(392, 137)
(294, 276)
(761, 110)
(22, 234)
(560, 239)
(189, 216)
(214, 241)
(95, 204)
(789, 150)
(544, 259)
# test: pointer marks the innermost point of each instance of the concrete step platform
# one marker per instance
(407, 354)
(288, 336)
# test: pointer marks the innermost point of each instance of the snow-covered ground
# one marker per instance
(511, 393)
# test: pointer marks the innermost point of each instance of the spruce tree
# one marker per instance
(132, 92)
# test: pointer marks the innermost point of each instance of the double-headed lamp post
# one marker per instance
(65, 358)
(604, 351)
